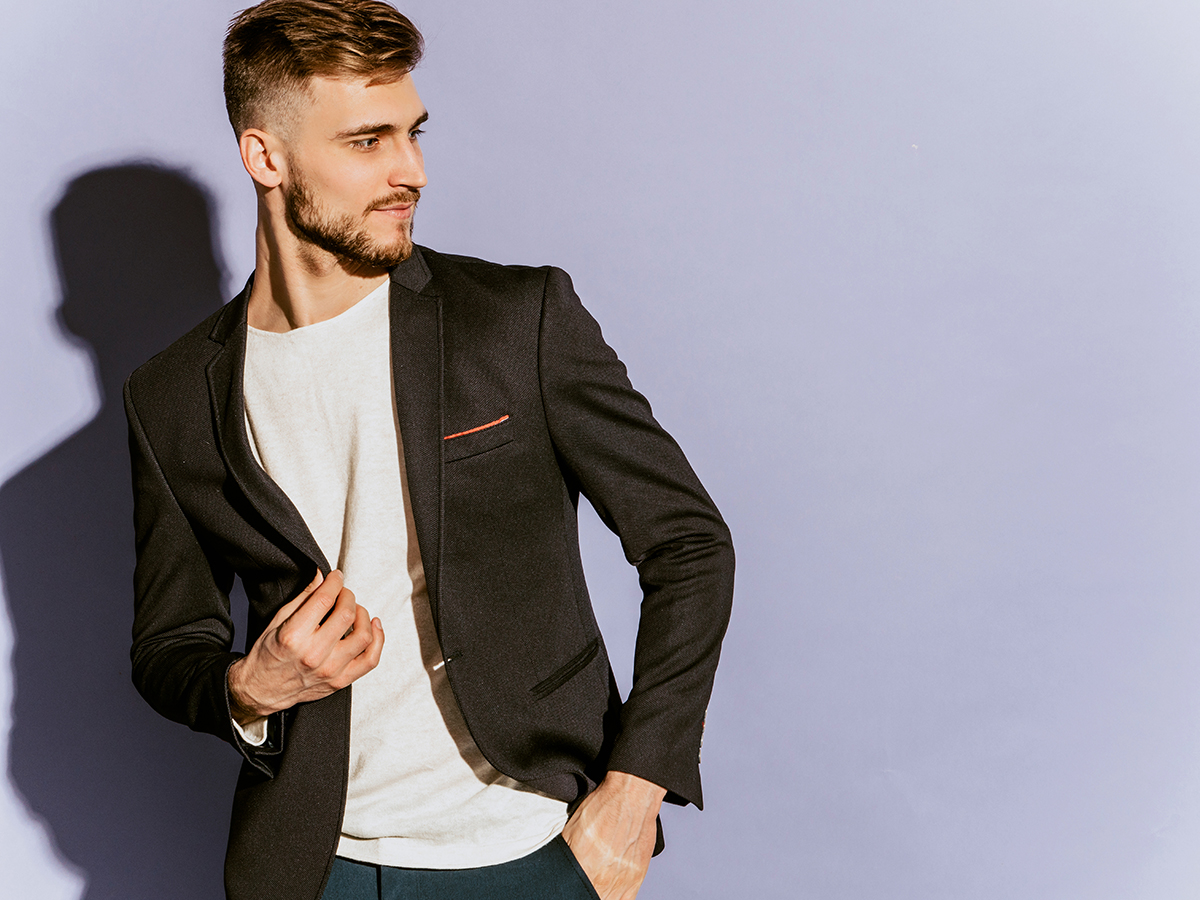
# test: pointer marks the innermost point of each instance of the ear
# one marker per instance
(263, 157)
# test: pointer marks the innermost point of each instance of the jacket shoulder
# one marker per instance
(180, 365)
(452, 270)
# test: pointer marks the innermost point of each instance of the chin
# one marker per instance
(394, 242)
(366, 250)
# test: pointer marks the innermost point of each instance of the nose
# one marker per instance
(408, 167)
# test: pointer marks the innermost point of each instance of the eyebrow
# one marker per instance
(379, 128)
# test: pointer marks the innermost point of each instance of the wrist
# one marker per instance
(242, 705)
(634, 786)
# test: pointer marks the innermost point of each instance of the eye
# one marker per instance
(415, 133)
(365, 143)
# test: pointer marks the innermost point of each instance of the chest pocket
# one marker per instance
(480, 439)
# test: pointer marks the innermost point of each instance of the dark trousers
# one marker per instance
(551, 873)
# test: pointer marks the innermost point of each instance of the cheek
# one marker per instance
(367, 184)
(350, 184)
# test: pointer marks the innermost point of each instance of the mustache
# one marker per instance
(396, 199)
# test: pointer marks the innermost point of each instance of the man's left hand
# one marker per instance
(612, 834)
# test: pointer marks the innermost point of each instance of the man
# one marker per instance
(370, 420)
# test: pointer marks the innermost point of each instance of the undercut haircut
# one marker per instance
(274, 48)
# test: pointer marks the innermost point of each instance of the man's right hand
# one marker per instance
(317, 643)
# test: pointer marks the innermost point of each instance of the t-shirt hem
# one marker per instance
(414, 853)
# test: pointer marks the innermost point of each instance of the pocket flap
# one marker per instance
(566, 672)
(476, 440)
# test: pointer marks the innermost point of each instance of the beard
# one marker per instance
(343, 235)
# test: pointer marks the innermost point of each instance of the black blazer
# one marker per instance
(511, 405)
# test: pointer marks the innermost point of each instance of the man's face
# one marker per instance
(355, 170)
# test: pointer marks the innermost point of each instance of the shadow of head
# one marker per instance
(117, 786)
(137, 261)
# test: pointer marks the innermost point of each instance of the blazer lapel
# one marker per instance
(225, 388)
(416, 325)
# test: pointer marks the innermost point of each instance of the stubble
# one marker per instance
(346, 236)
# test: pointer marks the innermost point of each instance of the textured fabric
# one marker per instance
(551, 873)
(473, 344)
(322, 421)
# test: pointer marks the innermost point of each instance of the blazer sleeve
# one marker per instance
(637, 478)
(182, 629)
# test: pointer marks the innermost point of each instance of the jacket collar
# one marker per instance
(413, 274)
(417, 368)
(417, 378)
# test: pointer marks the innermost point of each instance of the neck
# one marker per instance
(297, 283)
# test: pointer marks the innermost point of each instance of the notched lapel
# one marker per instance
(225, 373)
(416, 326)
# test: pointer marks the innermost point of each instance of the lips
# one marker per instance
(398, 212)
(398, 205)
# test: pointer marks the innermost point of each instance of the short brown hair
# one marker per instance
(274, 48)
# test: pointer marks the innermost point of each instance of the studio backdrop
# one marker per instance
(916, 286)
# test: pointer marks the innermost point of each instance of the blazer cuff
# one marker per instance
(262, 756)
(253, 733)
(670, 760)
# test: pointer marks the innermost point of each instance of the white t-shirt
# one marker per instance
(321, 415)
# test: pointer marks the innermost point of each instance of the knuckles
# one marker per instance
(288, 641)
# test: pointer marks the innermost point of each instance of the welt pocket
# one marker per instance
(566, 672)
(480, 439)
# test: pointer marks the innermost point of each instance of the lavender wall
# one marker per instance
(915, 285)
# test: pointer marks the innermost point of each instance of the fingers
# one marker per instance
(357, 641)
(322, 640)
(358, 636)
(296, 602)
(370, 656)
(368, 659)
(302, 636)
(317, 602)
(341, 617)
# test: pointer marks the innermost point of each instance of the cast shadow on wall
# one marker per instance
(139, 804)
